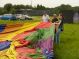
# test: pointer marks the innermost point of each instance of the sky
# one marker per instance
(47, 3)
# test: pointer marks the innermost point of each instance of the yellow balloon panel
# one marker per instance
(25, 27)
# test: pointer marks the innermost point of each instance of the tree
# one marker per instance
(28, 7)
(56, 10)
(61, 8)
(1, 10)
(40, 7)
(65, 7)
(19, 6)
(13, 11)
(8, 7)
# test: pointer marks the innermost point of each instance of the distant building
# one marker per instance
(33, 12)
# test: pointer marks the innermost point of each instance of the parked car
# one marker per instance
(23, 17)
(28, 17)
(20, 16)
(8, 17)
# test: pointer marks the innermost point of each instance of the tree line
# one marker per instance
(9, 8)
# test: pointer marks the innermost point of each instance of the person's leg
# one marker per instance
(57, 40)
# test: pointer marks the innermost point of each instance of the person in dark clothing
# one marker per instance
(61, 17)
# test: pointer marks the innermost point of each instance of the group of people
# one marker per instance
(57, 20)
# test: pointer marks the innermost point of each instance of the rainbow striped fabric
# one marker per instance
(32, 40)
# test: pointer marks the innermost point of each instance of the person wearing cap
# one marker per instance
(45, 17)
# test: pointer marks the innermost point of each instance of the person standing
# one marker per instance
(45, 17)
(59, 30)
(56, 22)
(61, 18)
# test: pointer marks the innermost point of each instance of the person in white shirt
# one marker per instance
(45, 18)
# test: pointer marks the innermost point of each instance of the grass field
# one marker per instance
(69, 40)
(69, 44)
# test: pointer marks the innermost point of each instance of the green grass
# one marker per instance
(69, 43)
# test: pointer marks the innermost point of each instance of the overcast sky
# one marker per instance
(47, 3)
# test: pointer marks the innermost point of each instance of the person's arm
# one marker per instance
(53, 20)
(57, 23)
